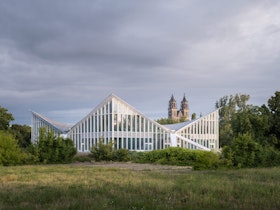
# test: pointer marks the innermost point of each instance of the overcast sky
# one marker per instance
(61, 58)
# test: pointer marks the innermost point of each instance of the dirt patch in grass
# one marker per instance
(135, 166)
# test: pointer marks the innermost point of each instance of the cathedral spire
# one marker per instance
(172, 108)
(184, 98)
(172, 99)
(184, 103)
(174, 113)
(172, 103)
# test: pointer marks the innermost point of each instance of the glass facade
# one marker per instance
(115, 120)
(203, 131)
(38, 121)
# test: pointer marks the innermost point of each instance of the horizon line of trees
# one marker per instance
(249, 135)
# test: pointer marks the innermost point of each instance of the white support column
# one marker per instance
(173, 140)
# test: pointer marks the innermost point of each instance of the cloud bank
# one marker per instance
(62, 58)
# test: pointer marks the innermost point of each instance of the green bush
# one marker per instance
(205, 160)
(136, 157)
(106, 152)
(182, 157)
(102, 151)
(121, 155)
(10, 152)
(52, 149)
(269, 156)
(245, 152)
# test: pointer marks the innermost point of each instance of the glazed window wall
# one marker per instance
(37, 124)
(118, 122)
(204, 132)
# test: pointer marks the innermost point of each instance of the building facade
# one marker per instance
(182, 114)
(115, 120)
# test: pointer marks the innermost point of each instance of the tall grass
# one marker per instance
(84, 187)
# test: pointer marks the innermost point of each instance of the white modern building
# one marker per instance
(115, 120)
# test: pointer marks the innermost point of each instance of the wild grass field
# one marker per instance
(87, 187)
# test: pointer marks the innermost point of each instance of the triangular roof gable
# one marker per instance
(112, 97)
(183, 125)
(62, 127)
(193, 121)
(138, 112)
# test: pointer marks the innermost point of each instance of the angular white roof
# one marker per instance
(63, 127)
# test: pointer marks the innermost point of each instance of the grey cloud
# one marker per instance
(69, 55)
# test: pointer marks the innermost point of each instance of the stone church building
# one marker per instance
(182, 113)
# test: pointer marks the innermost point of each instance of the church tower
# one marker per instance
(185, 108)
(172, 108)
(178, 115)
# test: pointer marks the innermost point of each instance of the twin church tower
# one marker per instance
(174, 113)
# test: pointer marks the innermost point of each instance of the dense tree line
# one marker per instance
(22, 133)
(237, 117)
(250, 135)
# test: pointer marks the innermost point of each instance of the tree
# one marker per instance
(243, 152)
(250, 135)
(22, 133)
(165, 121)
(229, 106)
(103, 151)
(193, 116)
(5, 118)
(10, 152)
(237, 117)
(53, 149)
(274, 106)
(106, 152)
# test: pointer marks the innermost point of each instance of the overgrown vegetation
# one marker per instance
(106, 152)
(52, 149)
(249, 135)
(245, 152)
(170, 156)
(181, 157)
(16, 147)
(165, 121)
(10, 152)
(82, 187)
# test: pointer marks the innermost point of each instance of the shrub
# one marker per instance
(66, 150)
(52, 149)
(106, 152)
(137, 157)
(182, 157)
(121, 155)
(205, 160)
(244, 152)
(10, 152)
(102, 151)
(269, 156)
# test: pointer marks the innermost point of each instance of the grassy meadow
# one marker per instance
(86, 187)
